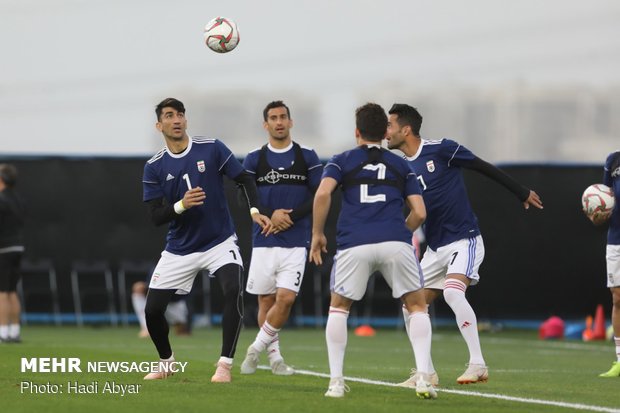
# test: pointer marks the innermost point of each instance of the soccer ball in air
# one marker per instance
(221, 35)
(598, 198)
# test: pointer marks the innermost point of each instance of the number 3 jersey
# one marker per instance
(449, 216)
(375, 184)
(611, 178)
(286, 179)
(203, 163)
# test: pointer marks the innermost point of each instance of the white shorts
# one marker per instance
(276, 267)
(613, 265)
(460, 257)
(177, 272)
(396, 260)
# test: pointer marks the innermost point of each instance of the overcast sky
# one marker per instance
(82, 76)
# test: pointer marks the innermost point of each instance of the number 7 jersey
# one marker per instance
(449, 216)
(203, 163)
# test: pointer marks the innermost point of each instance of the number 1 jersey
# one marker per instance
(203, 163)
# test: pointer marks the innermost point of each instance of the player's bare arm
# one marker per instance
(417, 213)
(322, 202)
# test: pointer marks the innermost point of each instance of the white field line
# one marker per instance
(577, 406)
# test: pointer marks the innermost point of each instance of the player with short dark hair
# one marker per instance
(12, 213)
(611, 178)
(183, 186)
(372, 235)
(454, 245)
(287, 175)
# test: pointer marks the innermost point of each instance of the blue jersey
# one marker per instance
(279, 194)
(449, 216)
(611, 178)
(203, 163)
(372, 213)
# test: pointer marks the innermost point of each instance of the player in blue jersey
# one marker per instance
(454, 245)
(611, 178)
(372, 235)
(287, 175)
(183, 186)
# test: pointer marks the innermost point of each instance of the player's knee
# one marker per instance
(286, 300)
(615, 297)
(230, 280)
(156, 303)
(452, 294)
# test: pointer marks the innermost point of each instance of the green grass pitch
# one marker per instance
(522, 368)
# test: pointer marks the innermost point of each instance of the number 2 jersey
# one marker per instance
(373, 199)
(449, 216)
(611, 178)
(203, 163)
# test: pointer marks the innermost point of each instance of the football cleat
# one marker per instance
(279, 368)
(163, 372)
(337, 388)
(250, 363)
(614, 371)
(222, 373)
(475, 373)
(433, 379)
(423, 388)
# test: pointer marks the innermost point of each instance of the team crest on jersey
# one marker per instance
(201, 166)
(430, 166)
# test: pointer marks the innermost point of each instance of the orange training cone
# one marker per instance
(587, 333)
(365, 331)
(598, 331)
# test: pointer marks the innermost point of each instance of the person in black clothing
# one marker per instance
(11, 250)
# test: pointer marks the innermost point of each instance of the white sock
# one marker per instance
(14, 330)
(405, 317)
(139, 303)
(336, 338)
(420, 335)
(431, 367)
(226, 360)
(617, 341)
(454, 294)
(273, 350)
(264, 337)
(4, 332)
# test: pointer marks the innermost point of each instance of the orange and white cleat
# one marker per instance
(222, 373)
(475, 373)
(163, 370)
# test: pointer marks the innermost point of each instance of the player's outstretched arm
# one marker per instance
(525, 195)
(417, 213)
(322, 202)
